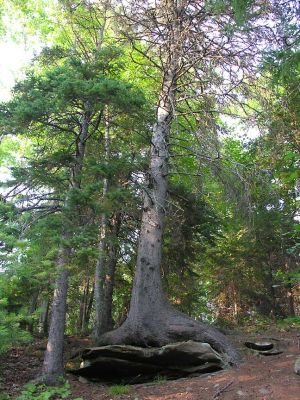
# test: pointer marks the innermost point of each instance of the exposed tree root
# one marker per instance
(169, 326)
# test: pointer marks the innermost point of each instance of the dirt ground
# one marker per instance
(257, 378)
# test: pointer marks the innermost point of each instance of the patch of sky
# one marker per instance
(235, 128)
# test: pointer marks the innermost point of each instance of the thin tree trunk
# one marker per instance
(275, 309)
(82, 307)
(85, 306)
(53, 367)
(291, 300)
(32, 308)
(81, 313)
(43, 321)
(88, 310)
(99, 278)
(109, 279)
(100, 271)
(290, 291)
(53, 370)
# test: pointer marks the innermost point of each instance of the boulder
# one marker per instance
(131, 364)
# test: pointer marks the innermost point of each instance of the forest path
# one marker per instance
(257, 378)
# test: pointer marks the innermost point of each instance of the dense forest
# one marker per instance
(151, 159)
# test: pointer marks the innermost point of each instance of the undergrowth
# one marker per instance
(32, 391)
(11, 333)
(289, 323)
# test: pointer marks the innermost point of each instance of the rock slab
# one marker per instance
(133, 364)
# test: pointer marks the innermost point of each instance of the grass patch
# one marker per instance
(159, 379)
(118, 389)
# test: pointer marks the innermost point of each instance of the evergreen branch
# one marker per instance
(39, 207)
(59, 127)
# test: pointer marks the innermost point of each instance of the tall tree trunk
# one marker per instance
(290, 290)
(88, 310)
(53, 370)
(291, 300)
(43, 321)
(32, 308)
(99, 326)
(109, 275)
(152, 321)
(85, 321)
(102, 322)
(82, 307)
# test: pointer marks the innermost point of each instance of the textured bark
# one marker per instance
(53, 367)
(152, 321)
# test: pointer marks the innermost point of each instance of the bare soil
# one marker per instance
(257, 378)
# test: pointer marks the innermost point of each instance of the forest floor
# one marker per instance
(257, 378)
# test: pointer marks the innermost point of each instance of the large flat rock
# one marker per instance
(137, 364)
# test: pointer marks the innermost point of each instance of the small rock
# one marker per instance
(82, 380)
(297, 366)
(240, 393)
(264, 391)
